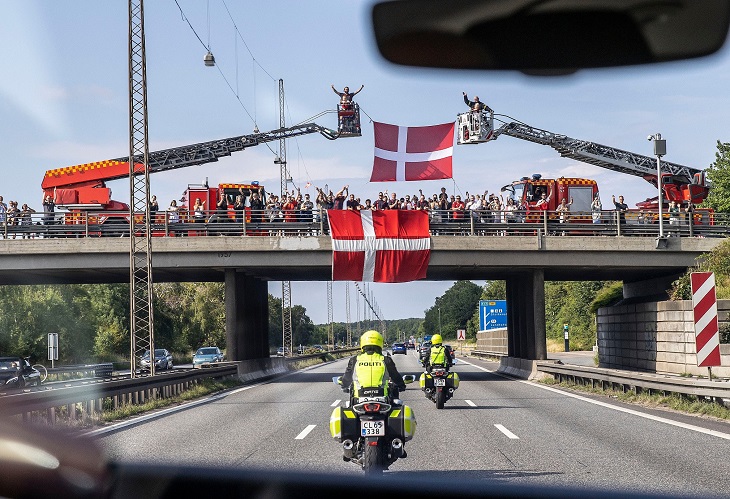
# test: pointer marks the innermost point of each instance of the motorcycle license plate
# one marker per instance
(372, 428)
(439, 382)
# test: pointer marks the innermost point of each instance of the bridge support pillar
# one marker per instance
(526, 334)
(247, 316)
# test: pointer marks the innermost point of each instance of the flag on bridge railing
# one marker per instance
(412, 153)
(379, 246)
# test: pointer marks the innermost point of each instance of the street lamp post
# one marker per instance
(660, 149)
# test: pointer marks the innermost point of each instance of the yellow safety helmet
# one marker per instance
(371, 338)
(436, 339)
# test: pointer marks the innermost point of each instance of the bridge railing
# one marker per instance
(314, 223)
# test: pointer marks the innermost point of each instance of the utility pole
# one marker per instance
(330, 325)
(140, 249)
(660, 149)
(286, 328)
(348, 326)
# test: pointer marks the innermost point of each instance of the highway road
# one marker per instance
(494, 429)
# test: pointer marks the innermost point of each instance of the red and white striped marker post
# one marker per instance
(707, 331)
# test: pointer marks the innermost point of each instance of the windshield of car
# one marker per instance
(281, 64)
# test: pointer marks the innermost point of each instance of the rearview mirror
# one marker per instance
(549, 37)
(408, 378)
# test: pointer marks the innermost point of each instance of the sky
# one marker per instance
(64, 101)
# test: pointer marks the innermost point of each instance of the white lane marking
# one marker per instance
(658, 419)
(507, 433)
(336, 403)
(305, 432)
(469, 402)
(147, 417)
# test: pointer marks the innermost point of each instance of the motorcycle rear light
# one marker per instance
(371, 407)
(439, 372)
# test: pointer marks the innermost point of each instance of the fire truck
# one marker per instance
(681, 184)
(82, 190)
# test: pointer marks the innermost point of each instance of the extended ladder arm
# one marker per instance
(599, 155)
(171, 159)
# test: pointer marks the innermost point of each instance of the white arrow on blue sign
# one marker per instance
(492, 314)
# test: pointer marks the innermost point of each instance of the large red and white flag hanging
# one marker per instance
(379, 246)
(707, 331)
(412, 153)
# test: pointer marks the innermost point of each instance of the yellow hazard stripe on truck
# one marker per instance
(85, 167)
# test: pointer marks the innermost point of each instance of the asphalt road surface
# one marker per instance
(495, 429)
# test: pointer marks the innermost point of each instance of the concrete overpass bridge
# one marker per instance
(246, 263)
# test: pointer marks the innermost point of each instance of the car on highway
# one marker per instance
(207, 355)
(280, 352)
(398, 348)
(16, 372)
(163, 360)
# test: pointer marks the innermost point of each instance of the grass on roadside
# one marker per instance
(203, 388)
(689, 404)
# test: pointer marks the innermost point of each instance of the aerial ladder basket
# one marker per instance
(348, 120)
(475, 127)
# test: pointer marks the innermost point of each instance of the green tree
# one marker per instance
(455, 307)
(569, 302)
(719, 174)
(717, 261)
(29, 313)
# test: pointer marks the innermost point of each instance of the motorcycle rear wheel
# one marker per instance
(373, 459)
(440, 399)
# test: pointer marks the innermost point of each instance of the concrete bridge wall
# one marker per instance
(655, 337)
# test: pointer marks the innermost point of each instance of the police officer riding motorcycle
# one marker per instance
(438, 383)
(374, 424)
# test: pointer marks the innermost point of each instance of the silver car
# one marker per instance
(163, 360)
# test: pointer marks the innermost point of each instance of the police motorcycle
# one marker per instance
(373, 428)
(437, 382)
(374, 425)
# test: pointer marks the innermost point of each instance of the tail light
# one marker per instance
(371, 408)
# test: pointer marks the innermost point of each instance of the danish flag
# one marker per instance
(379, 246)
(412, 153)
(707, 331)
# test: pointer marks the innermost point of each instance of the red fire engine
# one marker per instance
(681, 184)
(82, 189)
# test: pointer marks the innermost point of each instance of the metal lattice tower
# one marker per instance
(358, 329)
(348, 326)
(286, 332)
(286, 316)
(140, 252)
(330, 324)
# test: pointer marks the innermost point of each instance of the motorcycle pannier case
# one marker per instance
(402, 422)
(343, 424)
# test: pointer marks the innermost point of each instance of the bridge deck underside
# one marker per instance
(309, 258)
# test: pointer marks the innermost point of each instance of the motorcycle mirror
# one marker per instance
(337, 380)
(409, 378)
(455, 361)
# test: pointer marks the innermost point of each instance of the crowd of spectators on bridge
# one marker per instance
(296, 206)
